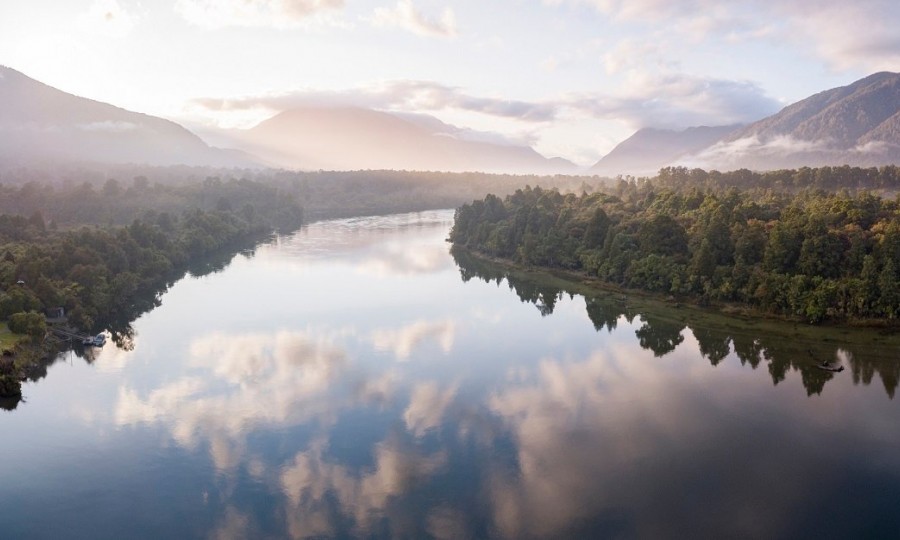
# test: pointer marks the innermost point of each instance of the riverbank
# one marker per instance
(689, 309)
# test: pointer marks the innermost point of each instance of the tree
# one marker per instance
(29, 323)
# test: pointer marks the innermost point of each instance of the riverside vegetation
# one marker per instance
(98, 274)
(789, 249)
(104, 251)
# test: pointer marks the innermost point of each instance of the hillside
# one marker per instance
(352, 138)
(650, 149)
(39, 123)
(858, 124)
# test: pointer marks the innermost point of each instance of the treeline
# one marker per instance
(886, 178)
(111, 194)
(96, 273)
(812, 255)
(329, 194)
(112, 202)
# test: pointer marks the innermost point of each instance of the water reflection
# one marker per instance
(417, 405)
(662, 330)
(242, 383)
(325, 498)
(404, 340)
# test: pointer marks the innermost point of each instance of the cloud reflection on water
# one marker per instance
(616, 442)
(243, 382)
(402, 341)
(322, 494)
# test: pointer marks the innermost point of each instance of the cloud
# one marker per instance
(427, 406)
(831, 29)
(647, 99)
(403, 341)
(259, 13)
(633, 53)
(107, 17)
(786, 151)
(858, 35)
(403, 95)
(405, 15)
(678, 101)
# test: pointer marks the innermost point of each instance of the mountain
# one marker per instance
(858, 124)
(649, 149)
(39, 123)
(352, 138)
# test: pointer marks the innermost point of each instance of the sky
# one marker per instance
(572, 78)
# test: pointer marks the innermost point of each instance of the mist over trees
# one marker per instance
(104, 195)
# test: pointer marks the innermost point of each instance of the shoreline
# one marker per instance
(740, 311)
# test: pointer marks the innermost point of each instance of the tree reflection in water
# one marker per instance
(662, 331)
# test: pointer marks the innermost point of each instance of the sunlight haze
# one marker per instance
(572, 78)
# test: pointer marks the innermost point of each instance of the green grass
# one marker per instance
(8, 340)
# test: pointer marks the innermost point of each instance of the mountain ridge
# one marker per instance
(357, 138)
(47, 124)
(667, 145)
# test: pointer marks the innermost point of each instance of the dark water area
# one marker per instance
(357, 379)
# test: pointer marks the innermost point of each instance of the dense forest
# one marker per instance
(810, 254)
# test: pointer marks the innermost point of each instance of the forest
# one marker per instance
(97, 274)
(808, 254)
(112, 194)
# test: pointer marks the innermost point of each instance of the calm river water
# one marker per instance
(357, 380)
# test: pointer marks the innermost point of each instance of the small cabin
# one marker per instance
(56, 313)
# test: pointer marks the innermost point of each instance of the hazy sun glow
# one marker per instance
(569, 77)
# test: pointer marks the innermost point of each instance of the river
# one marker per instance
(356, 379)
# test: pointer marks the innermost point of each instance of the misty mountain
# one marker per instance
(650, 149)
(351, 138)
(39, 123)
(858, 124)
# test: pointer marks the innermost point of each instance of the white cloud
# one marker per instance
(852, 36)
(401, 95)
(405, 15)
(261, 13)
(647, 99)
(785, 151)
(678, 100)
(831, 29)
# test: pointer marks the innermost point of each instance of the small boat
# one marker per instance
(94, 341)
(825, 365)
(828, 367)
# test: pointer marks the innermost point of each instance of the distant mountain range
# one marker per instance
(857, 124)
(355, 138)
(650, 149)
(39, 123)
